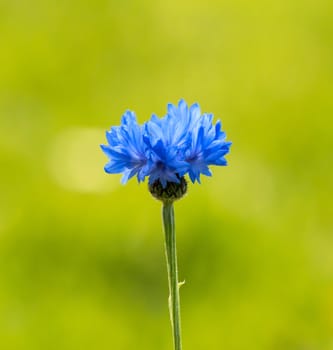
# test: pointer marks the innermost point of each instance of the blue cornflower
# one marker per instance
(165, 149)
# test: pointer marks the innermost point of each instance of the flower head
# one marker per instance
(165, 149)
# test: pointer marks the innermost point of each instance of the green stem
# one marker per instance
(171, 256)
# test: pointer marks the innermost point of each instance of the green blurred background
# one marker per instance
(81, 257)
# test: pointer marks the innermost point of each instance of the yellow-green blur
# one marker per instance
(82, 263)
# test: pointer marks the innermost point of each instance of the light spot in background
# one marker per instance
(76, 161)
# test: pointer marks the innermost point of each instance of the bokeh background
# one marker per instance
(81, 256)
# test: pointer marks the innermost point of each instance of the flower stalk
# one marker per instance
(171, 257)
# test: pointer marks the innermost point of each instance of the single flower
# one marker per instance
(165, 149)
